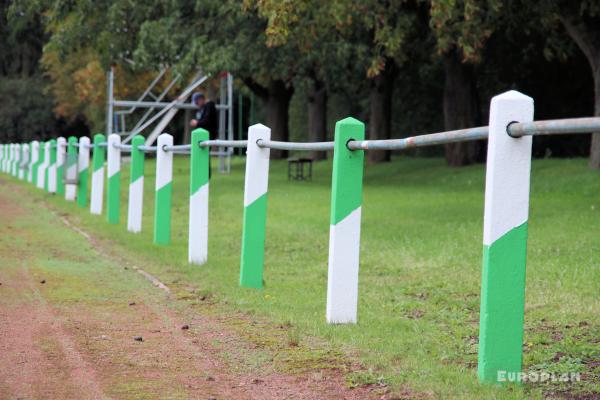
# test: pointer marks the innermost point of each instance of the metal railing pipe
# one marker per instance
(178, 147)
(147, 149)
(431, 139)
(308, 146)
(224, 143)
(554, 127)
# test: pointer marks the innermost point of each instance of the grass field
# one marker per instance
(419, 275)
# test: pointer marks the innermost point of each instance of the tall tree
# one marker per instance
(461, 29)
(26, 110)
(373, 31)
(580, 20)
(227, 35)
(326, 60)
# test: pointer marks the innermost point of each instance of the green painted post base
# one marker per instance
(162, 215)
(255, 216)
(113, 194)
(502, 305)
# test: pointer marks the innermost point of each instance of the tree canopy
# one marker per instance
(400, 65)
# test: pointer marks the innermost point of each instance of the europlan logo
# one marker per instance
(538, 376)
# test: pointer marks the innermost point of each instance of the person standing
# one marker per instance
(206, 116)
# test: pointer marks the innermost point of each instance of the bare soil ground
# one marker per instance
(68, 328)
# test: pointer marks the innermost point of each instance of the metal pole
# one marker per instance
(109, 105)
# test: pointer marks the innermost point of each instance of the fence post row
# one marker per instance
(97, 192)
(344, 231)
(61, 152)
(504, 231)
(199, 185)
(41, 165)
(113, 181)
(504, 239)
(136, 186)
(51, 174)
(164, 190)
(83, 166)
(255, 208)
(71, 169)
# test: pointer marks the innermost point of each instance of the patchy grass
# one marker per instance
(420, 270)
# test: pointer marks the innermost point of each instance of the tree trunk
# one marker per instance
(317, 117)
(380, 118)
(461, 109)
(595, 146)
(278, 105)
(586, 34)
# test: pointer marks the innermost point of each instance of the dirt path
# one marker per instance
(68, 325)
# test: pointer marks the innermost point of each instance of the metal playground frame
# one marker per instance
(162, 112)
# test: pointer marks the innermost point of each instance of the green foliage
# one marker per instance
(465, 25)
(26, 110)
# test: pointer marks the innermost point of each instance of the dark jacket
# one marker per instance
(207, 118)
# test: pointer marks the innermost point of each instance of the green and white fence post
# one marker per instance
(11, 158)
(41, 169)
(2, 156)
(35, 156)
(198, 224)
(83, 166)
(61, 156)
(17, 160)
(24, 161)
(136, 186)
(504, 240)
(97, 192)
(51, 171)
(344, 231)
(255, 208)
(71, 169)
(113, 186)
(45, 165)
(164, 189)
(6, 161)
